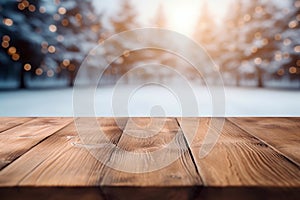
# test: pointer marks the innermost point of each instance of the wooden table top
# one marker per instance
(253, 158)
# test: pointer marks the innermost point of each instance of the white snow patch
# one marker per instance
(239, 102)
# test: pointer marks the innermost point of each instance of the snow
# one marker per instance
(151, 101)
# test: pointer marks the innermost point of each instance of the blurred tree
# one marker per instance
(229, 54)
(205, 32)
(160, 20)
(79, 30)
(26, 26)
(123, 20)
(289, 50)
(262, 21)
(253, 29)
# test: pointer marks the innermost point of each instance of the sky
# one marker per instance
(182, 14)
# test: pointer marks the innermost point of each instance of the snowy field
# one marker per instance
(151, 101)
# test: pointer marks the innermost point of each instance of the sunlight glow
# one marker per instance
(183, 16)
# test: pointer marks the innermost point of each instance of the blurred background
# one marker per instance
(255, 43)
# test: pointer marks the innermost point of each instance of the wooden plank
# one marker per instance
(51, 193)
(16, 141)
(148, 193)
(145, 193)
(239, 159)
(62, 159)
(10, 122)
(283, 134)
(143, 147)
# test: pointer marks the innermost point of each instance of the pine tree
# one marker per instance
(123, 20)
(229, 56)
(253, 45)
(207, 35)
(261, 26)
(290, 45)
(25, 27)
(205, 29)
(160, 20)
(79, 30)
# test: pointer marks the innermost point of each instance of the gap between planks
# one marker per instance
(20, 139)
(232, 133)
(239, 159)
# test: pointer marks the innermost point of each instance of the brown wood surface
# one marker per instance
(61, 160)
(239, 159)
(10, 122)
(16, 141)
(253, 157)
(181, 172)
(283, 134)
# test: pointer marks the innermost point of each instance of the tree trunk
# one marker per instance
(22, 84)
(71, 79)
(259, 73)
(238, 80)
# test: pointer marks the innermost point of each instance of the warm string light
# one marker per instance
(65, 22)
(62, 10)
(50, 73)
(51, 49)
(39, 71)
(293, 24)
(8, 21)
(27, 67)
(293, 70)
(258, 61)
(277, 37)
(297, 49)
(66, 62)
(5, 41)
(286, 55)
(71, 67)
(280, 72)
(42, 9)
(257, 35)
(24, 4)
(254, 50)
(15, 57)
(52, 28)
(12, 51)
(278, 56)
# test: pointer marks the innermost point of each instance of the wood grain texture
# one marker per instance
(283, 134)
(16, 141)
(62, 159)
(45, 159)
(10, 122)
(145, 155)
(239, 159)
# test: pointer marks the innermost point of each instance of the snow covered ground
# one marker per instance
(151, 101)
